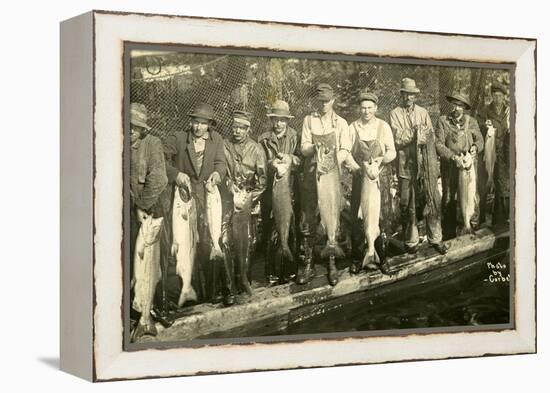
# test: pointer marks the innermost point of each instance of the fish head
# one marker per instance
(240, 199)
(184, 193)
(466, 160)
(371, 169)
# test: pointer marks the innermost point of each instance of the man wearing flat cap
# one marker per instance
(322, 127)
(147, 183)
(199, 165)
(372, 140)
(494, 168)
(282, 148)
(418, 169)
(246, 181)
(457, 133)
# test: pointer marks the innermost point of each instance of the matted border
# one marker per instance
(111, 30)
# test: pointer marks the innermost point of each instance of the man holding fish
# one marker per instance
(418, 169)
(494, 169)
(325, 145)
(246, 181)
(282, 148)
(147, 182)
(459, 142)
(373, 149)
(199, 168)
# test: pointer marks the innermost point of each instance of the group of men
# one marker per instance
(200, 159)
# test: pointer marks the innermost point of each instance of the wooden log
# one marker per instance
(275, 303)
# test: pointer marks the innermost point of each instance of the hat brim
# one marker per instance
(140, 124)
(453, 98)
(205, 117)
(280, 115)
(410, 91)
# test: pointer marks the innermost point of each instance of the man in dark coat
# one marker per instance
(282, 146)
(494, 121)
(418, 169)
(457, 133)
(200, 162)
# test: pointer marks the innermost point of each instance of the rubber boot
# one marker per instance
(381, 246)
(307, 272)
(332, 271)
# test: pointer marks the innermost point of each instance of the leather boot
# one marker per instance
(307, 272)
(381, 247)
(332, 271)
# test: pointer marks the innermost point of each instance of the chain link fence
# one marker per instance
(170, 84)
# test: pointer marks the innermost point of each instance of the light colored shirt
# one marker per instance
(368, 132)
(330, 122)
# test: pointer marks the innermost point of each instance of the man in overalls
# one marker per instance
(372, 139)
(246, 181)
(456, 133)
(281, 145)
(326, 126)
(418, 169)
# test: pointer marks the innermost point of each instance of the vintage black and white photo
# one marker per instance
(298, 195)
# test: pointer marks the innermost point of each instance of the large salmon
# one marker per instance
(282, 204)
(489, 154)
(370, 207)
(467, 191)
(240, 233)
(184, 241)
(329, 197)
(214, 221)
(147, 273)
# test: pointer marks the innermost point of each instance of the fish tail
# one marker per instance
(216, 253)
(332, 250)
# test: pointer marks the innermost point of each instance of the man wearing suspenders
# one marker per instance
(372, 139)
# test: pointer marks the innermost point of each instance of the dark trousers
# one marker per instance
(413, 208)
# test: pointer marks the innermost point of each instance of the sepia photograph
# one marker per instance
(280, 196)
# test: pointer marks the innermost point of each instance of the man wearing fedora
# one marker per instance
(418, 169)
(199, 163)
(281, 144)
(456, 133)
(495, 119)
(246, 181)
(324, 125)
(372, 139)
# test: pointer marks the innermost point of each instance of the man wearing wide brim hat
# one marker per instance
(147, 183)
(324, 129)
(418, 169)
(494, 168)
(282, 150)
(246, 181)
(457, 133)
(199, 166)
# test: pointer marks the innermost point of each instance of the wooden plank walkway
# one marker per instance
(269, 303)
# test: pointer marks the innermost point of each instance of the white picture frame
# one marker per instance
(92, 124)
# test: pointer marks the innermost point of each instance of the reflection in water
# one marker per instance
(468, 298)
